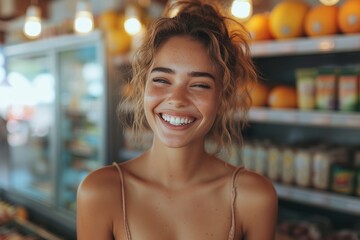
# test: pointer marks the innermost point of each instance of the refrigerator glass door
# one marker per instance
(81, 118)
(30, 94)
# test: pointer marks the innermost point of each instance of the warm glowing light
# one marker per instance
(132, 26)
(329, 2)
(84, 20)
(32, 25)
(242, 9)
(132, 23)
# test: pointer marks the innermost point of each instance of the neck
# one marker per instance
(176, 167)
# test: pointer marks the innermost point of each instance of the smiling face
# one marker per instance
(182, 93)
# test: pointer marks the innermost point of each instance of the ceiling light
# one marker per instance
(32, 25)
(84, 20)
(132, 23)
(329, 2)
(242, 9)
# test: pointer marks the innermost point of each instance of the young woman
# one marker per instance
(190, 77)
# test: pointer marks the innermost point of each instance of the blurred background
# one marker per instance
(65, 64)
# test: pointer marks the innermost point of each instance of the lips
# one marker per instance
(177, 120)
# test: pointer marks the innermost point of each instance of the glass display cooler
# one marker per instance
(54, 101)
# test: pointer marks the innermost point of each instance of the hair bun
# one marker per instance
(209, 11)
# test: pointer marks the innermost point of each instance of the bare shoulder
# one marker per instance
(100, 183)
(257, 205)
(255, 186)
(98, 198)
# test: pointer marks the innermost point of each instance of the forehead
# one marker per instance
(184, 51)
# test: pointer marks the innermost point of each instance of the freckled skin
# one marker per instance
(175, 189)
(180, 96)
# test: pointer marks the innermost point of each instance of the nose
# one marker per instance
(178, 96)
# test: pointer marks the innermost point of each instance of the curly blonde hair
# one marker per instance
(227, 49)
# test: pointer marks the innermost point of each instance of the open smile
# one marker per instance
(176, 120)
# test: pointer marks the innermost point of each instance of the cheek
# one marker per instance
(209, 106)
(150, 95)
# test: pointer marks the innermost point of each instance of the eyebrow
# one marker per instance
(191, 74)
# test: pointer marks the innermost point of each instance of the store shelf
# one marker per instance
(310, 118)
(302, 46)
(314, 197)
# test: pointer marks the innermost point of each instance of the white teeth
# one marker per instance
(177, 121)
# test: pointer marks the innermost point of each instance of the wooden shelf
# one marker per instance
(343, 203)
(310, 118)
(302, 46)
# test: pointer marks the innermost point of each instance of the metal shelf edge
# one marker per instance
(312, 118)
(306, 45)
(333, 201)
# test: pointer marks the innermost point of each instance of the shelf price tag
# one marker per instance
(326, 45)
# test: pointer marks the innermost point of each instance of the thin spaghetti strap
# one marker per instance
(233, 191)
(127, 230)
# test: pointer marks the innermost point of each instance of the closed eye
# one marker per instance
(160, 80)
(200, 85)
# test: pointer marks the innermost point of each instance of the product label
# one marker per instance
(343, 181)
(306, 93)
(326, 92)
(348, 93)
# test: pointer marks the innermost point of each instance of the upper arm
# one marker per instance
(94, 219)
(259, 209)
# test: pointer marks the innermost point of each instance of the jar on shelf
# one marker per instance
(261, 158)
(248, 155)
(274, 162)
(288, 165)
(303, 166)
(343, 178)
(322, 161)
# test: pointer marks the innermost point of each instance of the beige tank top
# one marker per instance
(233, 198)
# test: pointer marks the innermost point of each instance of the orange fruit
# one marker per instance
(259, 93)
(282, 97)
(258, 27)
(349, 16)
(321, 20)
(287, 19)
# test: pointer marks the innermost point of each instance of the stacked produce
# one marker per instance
(320, 88)
(296, 18)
